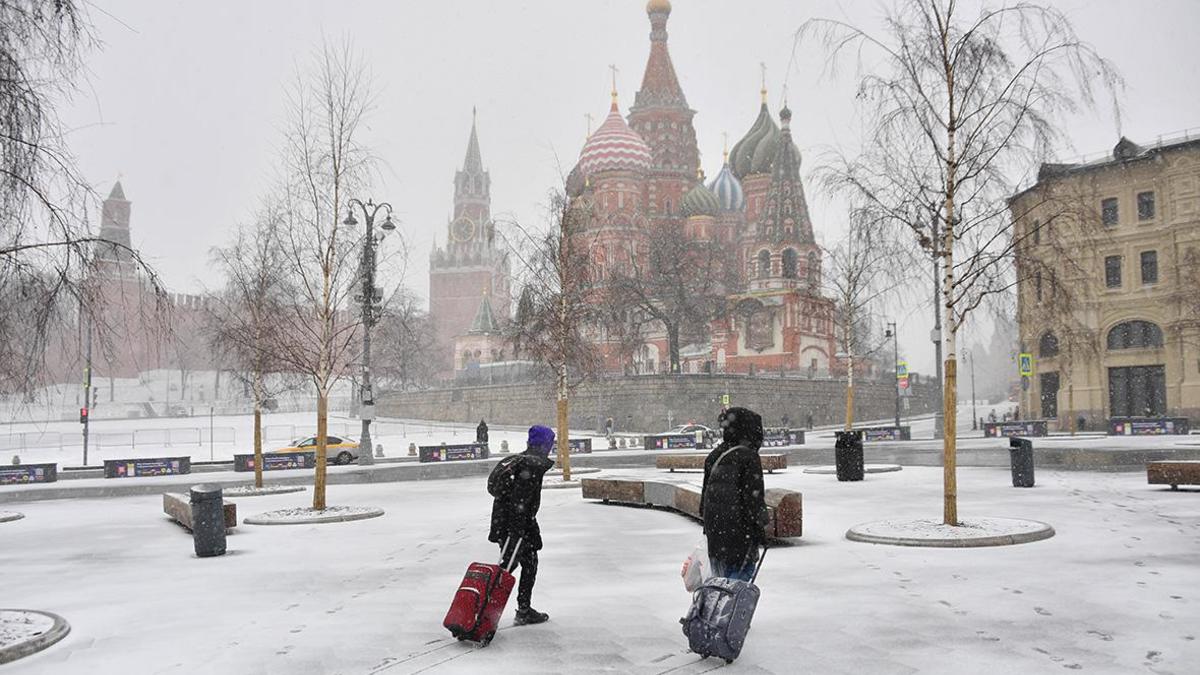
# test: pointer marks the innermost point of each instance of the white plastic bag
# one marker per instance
(696, 568)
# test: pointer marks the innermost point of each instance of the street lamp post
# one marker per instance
(366, 452)
(892, 333)
(974, 404)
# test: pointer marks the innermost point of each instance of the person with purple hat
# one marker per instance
(516, 487)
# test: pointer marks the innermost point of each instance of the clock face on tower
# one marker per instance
(463, 230)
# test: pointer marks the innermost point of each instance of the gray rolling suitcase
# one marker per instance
(719, 619)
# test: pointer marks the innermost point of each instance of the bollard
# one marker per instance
(612, 443)
(379, 449)
(503, 446)
(1021, 458)
(848, 455)
(412, 449)
(208, 520)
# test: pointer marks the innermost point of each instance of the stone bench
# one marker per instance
(784, 506)
(770, 463)
(179, 507)
(1173, 473)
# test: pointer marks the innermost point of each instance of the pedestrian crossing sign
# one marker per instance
(1025, 364)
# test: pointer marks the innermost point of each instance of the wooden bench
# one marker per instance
(770, 463)
(1173, 473)
(785, 507)
(179, 508)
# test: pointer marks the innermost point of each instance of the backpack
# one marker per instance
(500, 481)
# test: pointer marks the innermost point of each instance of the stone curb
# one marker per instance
(22, 649)
(9, 516)
(266, 491)
(314, 520)
(867, 468)
(561, 485)
(1044, 532)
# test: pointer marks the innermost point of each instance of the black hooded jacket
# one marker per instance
(731, 501)
(516, 486)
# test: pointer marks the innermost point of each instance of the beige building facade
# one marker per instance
(1108, 264)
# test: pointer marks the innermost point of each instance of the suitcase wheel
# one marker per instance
(487, 639)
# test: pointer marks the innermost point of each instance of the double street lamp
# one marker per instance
(370, 296)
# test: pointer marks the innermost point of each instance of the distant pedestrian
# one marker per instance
(732, 502)
(785, 421)
(808, 422)
(481, 433)
(516, 487)
(608, 427)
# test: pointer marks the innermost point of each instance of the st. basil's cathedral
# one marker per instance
(643, 172)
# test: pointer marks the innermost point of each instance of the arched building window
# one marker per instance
(791, 264)
(814, 268)
(1135, 335)
(1048, 345)
(764, 264)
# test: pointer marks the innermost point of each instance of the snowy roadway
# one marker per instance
(1116, 591)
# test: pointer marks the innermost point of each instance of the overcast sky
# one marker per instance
(184, 99)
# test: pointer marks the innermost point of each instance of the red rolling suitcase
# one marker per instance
(475, 612)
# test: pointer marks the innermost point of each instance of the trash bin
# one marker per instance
(208, 520)
(848, 455)
(1021, 457)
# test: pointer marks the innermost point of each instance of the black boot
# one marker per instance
(529, 615)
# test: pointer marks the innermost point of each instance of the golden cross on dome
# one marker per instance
(725, 146)
(613, 68)
(588, 117)
(763, 65)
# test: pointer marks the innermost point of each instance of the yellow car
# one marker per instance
(342, 450)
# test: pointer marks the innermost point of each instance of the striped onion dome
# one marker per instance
(741, 158)
(614, 147)
(700, 201)
(728, 189)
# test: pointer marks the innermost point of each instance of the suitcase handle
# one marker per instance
(511, 557)
(758, 567)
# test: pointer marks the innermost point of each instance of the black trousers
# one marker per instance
(527, 558)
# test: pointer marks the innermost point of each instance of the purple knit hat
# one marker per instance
(541, 437)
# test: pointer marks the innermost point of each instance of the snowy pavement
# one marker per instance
(1114, 592)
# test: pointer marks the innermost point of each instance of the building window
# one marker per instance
(791, 264)
(1037, 232)
(1037, 285)
(1108, 211)
(814, 268)
(1145, 204)
(1149, 267)
(1135, 335)
(764, 264)
(1112, 271)
(1048, 345)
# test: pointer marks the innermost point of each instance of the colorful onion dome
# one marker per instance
(728, 189)
(614, 147)
(700, 201)
(741, 158)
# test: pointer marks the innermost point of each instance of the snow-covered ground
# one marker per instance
(1116, 591)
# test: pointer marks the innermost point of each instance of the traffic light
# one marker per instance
(83, 412)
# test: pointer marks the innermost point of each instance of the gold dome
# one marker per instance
(655, 6)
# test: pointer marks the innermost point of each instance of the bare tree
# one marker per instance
(961, 104)
(323, 163)
(552, 328)
(45, 244)
(406, 344)
(248, 311)
(680, 284)
(862, 273)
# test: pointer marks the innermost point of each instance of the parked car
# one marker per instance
(711, 436)
(341, 450)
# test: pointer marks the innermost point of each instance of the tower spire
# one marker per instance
(724, 147)
(613, 68)
(763, 65)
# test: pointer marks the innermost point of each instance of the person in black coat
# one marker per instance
(481, 433)
(731, 500)
(516, 487)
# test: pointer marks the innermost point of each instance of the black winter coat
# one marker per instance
(516, 502)
(732, 502)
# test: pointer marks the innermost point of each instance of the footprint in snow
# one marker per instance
(1042, 611)
(1102, 635)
